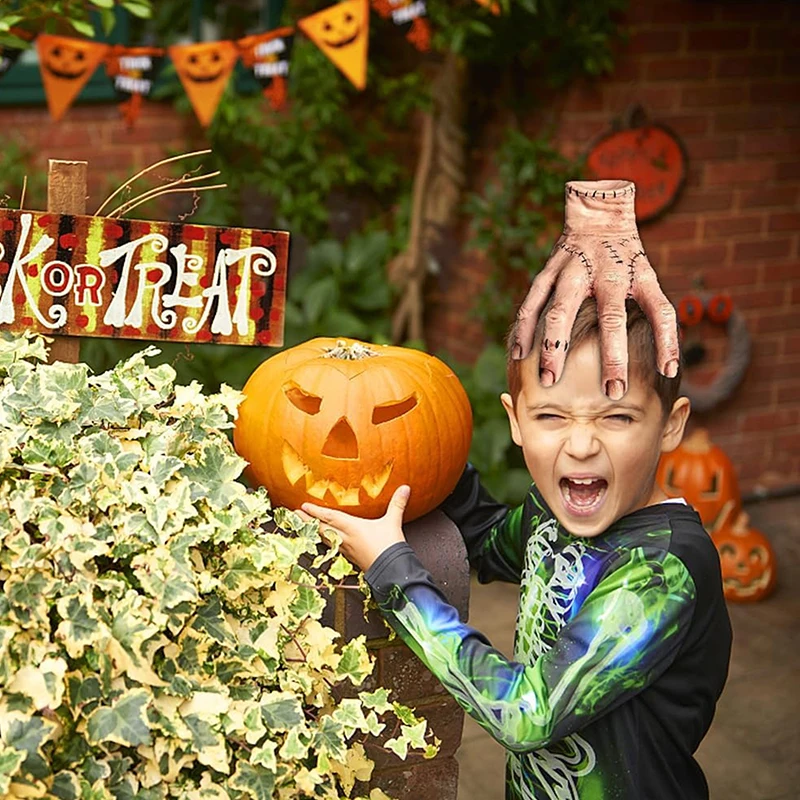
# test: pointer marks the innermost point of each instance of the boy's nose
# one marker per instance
(582, 442)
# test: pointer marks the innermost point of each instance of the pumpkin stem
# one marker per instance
(354, 351)
(697, 442)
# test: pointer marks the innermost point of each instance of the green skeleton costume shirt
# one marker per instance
(621, 650)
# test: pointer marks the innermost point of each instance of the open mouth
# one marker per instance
(583, 496)
(296, 469)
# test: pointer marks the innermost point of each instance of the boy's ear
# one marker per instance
(508, 405)
(676, 423)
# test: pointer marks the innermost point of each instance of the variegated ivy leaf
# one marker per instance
(150, 606)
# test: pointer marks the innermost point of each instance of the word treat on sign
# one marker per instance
(97, 276)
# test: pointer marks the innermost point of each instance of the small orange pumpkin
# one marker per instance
(343, 423)
(747, 560)
(700, 471)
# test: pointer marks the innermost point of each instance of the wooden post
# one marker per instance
(66, 194)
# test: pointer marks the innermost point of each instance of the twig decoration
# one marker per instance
(24, 189)
(145, 171)
(125, 207)
(157, 193)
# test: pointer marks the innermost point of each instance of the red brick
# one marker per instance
(776, 322)
(794, 296)
(788, 391)
(791, 346)
(682, 13)
(705, 148)
(679, 68)
(715, 39)
(734, 225)
(770, 197)
(787, 171)
(762, 249)
(627, 68)
(670, 228)
(789, 221)
(403, 673)
(747, 66)
(746, 298)
(581, 130)
(696, 255)
(777, 37)
(790, 65)
(702, 200)
(712, 96)
(752, 12)
(780, 273)
(739, 174)
(686, 124)
(765, 93)
(720, 277)
(746, 120)
(654, 97)
(583, 97)
(655, 40)
(770, 420)
(429, 780)
(791, 117)
(758, 144)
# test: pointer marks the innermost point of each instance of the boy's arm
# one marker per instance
(491, 531)
(627, 632)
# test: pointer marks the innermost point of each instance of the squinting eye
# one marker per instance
(308, 403)
(623, 418)
(548, 417)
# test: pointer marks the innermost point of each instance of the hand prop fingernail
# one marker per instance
(615, 389)
(671, 370)
(546, 377)
(516, 351)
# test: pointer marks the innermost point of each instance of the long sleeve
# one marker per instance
(491, 531)
(625, 633)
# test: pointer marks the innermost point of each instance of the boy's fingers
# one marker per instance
(573, 288)
(663, 320)
(398, 503)
(336, 518)
(611, 292)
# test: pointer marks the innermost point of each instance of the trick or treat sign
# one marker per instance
(98, 276)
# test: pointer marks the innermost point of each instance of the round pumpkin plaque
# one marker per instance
(651, 156)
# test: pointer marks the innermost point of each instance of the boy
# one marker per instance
(623, 638)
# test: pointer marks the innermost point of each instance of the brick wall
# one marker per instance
(725, 76)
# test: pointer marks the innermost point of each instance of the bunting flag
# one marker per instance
(134, 71)
(204, 70)
(411, 17)
(66, 66)
(268, 55)
(342, 33)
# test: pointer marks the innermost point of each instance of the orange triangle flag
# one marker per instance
(66, 65)
(204, 70)
(342, 33)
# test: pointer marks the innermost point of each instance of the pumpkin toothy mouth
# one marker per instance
(296, 469)
(746, 589)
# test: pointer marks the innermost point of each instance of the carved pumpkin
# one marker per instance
(700, 471)
(747, 560)
(342, 423)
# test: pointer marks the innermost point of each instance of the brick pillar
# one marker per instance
(439, 546)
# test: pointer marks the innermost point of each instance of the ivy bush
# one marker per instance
(160, 630)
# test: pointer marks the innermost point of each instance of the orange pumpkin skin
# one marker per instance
(700, 471)
(747, 561)
(346, 432)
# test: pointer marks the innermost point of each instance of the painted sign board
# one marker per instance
(78, 275)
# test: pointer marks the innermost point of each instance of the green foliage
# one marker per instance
(64, 17)
(159, 636)
(17, 164)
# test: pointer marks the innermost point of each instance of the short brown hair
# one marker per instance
(641, 350)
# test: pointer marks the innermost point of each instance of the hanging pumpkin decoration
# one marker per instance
(649, 154)
(700, 472)
(747, 560)
(344, 423)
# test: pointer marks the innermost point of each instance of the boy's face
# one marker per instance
(593, 459)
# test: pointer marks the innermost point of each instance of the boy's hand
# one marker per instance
(363, 540)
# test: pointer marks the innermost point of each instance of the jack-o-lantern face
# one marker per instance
(320, 425)
(700, 472)
(340, 29)
(66, 61)
(204, 65)
(747, 561)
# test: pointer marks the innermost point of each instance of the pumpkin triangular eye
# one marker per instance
(669, 480)
(389, 411)
(305, 401)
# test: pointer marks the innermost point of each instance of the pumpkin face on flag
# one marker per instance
(343, 423)
(204, 70)
(342, 33)
(66, 65)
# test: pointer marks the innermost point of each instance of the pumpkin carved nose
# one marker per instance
(341, 441)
